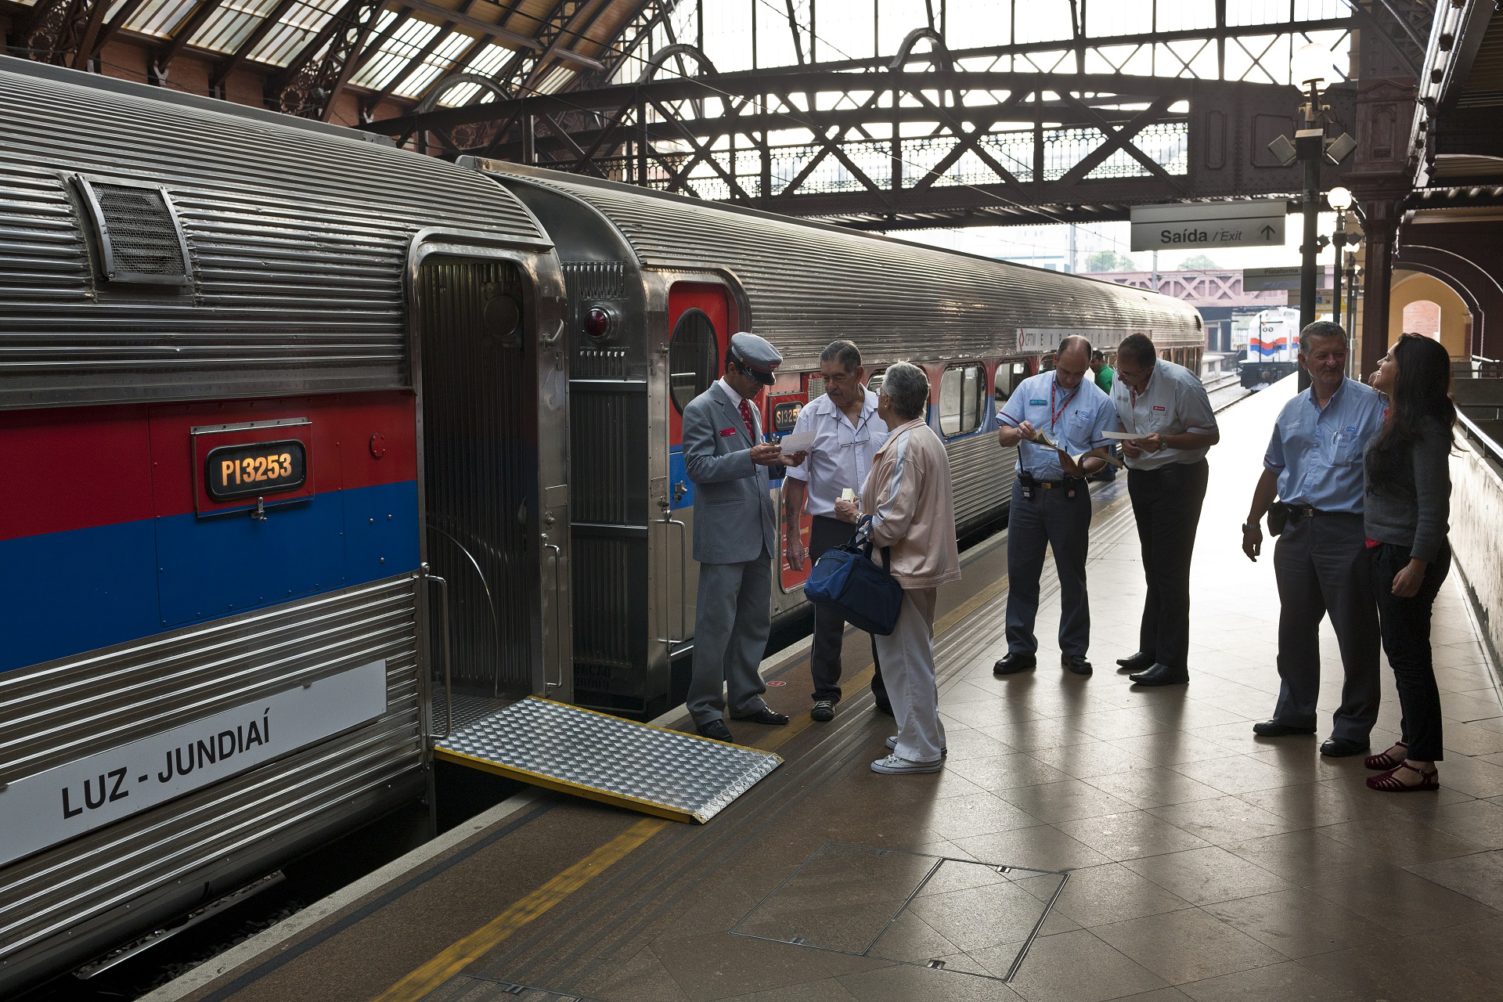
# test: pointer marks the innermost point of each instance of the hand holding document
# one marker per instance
(1121, 436)
(796, 442)
(1042, 438)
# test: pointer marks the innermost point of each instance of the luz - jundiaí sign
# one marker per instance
(68, 800)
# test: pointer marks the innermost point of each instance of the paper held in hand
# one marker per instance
(796, 442)
(1121, 436)
(1042, 438)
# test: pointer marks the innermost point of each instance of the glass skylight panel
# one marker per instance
(396, 52)
(296, 29)
(159, 17)
(433, 64)
(487, 63)
(556, 79)
(229, 26)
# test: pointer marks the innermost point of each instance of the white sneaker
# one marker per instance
(892, 744)
(894, 766)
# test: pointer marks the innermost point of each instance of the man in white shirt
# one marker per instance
(1166, 406)
(847, 434)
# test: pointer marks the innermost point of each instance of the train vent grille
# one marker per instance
(137, 233)
(596, 279)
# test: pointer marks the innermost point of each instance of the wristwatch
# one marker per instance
(1249, 525)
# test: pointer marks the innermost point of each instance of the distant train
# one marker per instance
(299, 427)
(1272, 346)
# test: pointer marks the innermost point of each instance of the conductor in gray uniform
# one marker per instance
(733, 539)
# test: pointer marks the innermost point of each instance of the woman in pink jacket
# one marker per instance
(909, 497)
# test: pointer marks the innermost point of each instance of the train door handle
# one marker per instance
(443, 606)
(556, 553)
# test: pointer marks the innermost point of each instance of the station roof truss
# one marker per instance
(1073, 126)
(1456, 143)
(313, 50)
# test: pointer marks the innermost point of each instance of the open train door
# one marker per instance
(493, 385)
(701, 318)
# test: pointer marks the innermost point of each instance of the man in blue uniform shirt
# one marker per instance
(1053, 418)
(1314, 465)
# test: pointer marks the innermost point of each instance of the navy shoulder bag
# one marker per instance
(846, 579)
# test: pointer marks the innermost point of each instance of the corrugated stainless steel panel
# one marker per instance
(60, 711)
(807, 284)
(980, 478)
(299, 242)
(481, 445)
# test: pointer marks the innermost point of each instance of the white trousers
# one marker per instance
(910, 681)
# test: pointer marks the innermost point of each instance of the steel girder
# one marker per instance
(310, 85)
(907, 148)
(64, 31)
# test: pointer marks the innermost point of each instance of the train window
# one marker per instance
(1009, 375)
(961, 398)
(691, 357)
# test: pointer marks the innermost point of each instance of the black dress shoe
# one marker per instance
(1013, 662)
(1135, 662)
(1075, 663)
(1274, 729)
(1342, 747)
(1161, 674)
(716, 730)
(766, 715)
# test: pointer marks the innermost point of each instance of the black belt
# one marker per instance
(1027, 480)
(1300, 512)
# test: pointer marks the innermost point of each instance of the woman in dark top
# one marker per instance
(1408, 500)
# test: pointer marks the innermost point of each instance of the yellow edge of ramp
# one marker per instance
(564, 786)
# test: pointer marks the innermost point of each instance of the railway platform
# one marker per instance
(1084, 842)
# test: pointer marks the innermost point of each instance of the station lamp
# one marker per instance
(1311, 69)
(1340, 199)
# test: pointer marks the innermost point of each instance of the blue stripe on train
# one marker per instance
(65, 593)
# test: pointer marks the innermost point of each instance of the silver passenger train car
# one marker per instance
(213, 328)
(658, 283)
(299, 427)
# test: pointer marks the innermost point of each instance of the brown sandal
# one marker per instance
(1389, 782)
(1383, 760)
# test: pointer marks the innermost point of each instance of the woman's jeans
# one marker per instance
(1405, 624)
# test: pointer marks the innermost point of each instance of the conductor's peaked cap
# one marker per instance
(756, 355)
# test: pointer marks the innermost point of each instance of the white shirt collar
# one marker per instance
(736, 398)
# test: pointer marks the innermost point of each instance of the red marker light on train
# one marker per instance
(597, 323)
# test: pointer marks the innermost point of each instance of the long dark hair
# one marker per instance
(1421, 393)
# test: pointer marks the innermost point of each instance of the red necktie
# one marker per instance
(751, 428)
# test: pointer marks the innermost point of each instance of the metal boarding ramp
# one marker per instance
(628, 764)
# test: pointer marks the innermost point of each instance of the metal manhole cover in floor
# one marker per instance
(930, 911)
(465, 988)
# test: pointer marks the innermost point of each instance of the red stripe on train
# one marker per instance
(91, 466)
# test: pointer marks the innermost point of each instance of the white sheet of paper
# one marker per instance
(799, 442)
(1122, 436)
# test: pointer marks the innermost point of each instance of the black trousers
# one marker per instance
(829, 625)
(1166, 504)
(1056, 520)
(1405, 623)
